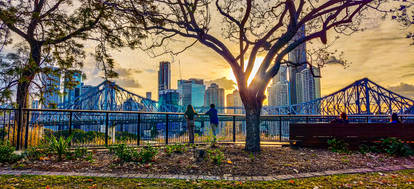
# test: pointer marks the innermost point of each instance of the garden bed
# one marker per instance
(236, 162)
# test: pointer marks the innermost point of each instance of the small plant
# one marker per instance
(7, 153)
(395, 147)
(339, 146)
(80, 152)
(124, 153)
(35, 153)
(60, 147)
(175, 148)
(251, 156)
(147, 154)
(216, 156)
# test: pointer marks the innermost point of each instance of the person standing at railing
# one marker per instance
(343, 118)
(189, 116)
(394, 118)
(212, 113)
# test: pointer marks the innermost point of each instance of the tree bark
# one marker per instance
(253, 110)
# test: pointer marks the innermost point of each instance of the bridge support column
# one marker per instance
(139, 130)
(70, 126)
(166, 129)
(106, 129)
(234, 129)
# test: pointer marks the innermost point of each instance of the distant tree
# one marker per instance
(51, 33)
(254, 28)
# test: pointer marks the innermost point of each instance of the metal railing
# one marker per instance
(27, 127)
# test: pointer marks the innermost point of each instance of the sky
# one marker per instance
(380, 53)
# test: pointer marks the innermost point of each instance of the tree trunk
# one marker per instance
(23, 87)
(253, 127)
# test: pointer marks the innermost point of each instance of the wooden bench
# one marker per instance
(317, 135)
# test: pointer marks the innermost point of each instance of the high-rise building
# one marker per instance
(298, 56)
(278, 91)
(214, 95)
(192, 92)
(233, 102)
(169, 100)
(164, 76)
(51, 90)
(303, 86)
(71, 94)
(92, 100)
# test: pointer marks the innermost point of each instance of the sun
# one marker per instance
(256, 66)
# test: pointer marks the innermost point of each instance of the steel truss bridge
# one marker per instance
(359, 98)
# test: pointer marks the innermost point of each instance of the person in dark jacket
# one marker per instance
(343, 118)
(394, 118)
(213, 119)
(189, 116)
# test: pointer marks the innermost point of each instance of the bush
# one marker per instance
(147, 154)
(129, 154)
(216, 156)
(391, 146)
(395, 147)
(35, 153)
(124, 153)
(339, 146)
(60, 147)
(175, 148)
(7, 153)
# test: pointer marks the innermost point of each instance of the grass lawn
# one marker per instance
(398, 179)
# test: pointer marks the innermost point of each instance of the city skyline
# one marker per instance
(384, 35)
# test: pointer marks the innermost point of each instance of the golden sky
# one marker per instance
(381, 53)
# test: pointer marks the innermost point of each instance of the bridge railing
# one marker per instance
(92, 128)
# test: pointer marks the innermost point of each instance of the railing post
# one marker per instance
(367, 118)
(234, 129)
(106, 128)
(70, 126)
(26, 137)
(280, 128)
(19, 121)
(307, 119)
(166, 129)
(139, 129)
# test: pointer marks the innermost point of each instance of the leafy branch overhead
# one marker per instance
(53, 34)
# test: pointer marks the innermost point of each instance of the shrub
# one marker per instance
(60, 147)
(175, 148)
(124, 153)
(7, 153)
(216, 156)
(147, 154)
(35, 153)
(339, 146)
(394, 146)
(129, 154)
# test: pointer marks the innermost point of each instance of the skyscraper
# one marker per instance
(72, 94)
(51, 90)
(164, 76)
(92, 100)
(234, 100)
(169, 100)
(298, 56)
(214, 95)
(303, 86)
(279, 89)
(192, 92)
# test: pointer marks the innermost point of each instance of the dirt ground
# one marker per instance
(237, 162)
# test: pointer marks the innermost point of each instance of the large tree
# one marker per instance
(48, 37)
(252, 27)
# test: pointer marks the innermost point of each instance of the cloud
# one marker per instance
(403, 89)
(126, 77)
(126, 72)
(223, 82)
(128, 83)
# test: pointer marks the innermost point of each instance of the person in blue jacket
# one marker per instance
(213, 119)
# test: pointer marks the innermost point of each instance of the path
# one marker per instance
(205, 177)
